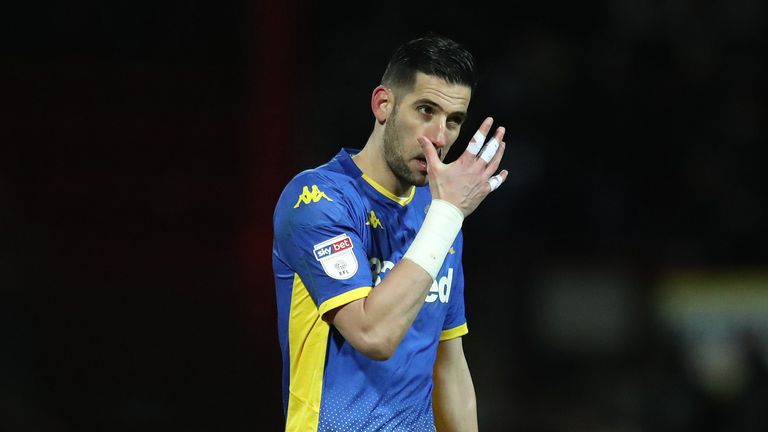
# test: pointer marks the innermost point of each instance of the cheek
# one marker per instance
(449, 142)
(410, 125)
(409, 133)
(446, 149)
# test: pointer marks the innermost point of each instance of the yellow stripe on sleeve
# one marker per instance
(343, 299)
(454, 332)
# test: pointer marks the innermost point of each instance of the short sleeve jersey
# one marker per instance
(337, 234)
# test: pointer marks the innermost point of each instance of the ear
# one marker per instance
(382, 102)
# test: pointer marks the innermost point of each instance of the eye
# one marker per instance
(454, 122)
(425, 109)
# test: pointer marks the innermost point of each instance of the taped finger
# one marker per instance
(490, 150)
(495, 182)
(476, 143)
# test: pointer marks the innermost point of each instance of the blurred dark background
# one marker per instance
(617, 282)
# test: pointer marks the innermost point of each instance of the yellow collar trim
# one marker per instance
(400, 200)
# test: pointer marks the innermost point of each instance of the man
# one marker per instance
(367, 259)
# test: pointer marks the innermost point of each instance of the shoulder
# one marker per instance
(319, 195)
(319, 183)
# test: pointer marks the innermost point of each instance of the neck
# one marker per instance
(373, 164)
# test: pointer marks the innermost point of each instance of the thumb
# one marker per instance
(430, 153)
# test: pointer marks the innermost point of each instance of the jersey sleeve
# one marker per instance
(455, 323)
(319, 238)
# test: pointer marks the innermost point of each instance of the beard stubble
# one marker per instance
(394, 154)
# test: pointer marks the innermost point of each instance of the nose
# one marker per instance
(436, 134)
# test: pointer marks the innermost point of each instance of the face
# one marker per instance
(434, 109)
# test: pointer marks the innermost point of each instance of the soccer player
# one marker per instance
(367, 258)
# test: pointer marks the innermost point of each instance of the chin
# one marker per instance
(420, 180)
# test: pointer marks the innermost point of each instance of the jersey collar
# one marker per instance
(351, 168)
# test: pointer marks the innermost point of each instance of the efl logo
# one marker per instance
(337, 257)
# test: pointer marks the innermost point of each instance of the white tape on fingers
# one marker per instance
(490, 150)
(476, 143)
(495, 182)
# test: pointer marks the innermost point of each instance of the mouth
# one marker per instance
(421, 162)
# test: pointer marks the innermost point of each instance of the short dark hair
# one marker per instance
(434, 55)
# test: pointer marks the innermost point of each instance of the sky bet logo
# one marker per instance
(337, 257)
(324, 251)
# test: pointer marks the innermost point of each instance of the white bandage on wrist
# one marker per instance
(436, 236)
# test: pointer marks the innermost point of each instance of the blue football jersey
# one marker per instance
(337, 234)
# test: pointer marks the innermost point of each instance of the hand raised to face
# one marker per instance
(466, 181)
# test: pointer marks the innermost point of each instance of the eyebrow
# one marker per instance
(430, 102)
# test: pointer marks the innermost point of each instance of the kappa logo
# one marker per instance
(374, 221)
(337, 257)
(312, 196)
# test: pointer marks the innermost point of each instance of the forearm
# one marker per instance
(453, 396)
(395, 303)
(390, 309)
(455, 407)
(375, 325)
